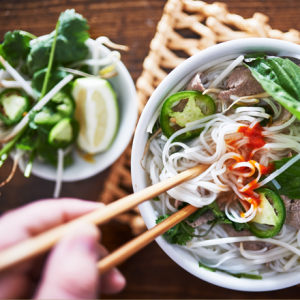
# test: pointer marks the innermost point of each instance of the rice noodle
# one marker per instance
(226, 71)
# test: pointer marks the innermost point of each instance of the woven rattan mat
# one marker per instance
(208, 24)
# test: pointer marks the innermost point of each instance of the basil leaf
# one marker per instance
(289, 180)
(281, 79)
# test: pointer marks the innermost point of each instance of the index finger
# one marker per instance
(39, 216)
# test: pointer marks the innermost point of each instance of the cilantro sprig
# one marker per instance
(71, 37)
(15, 47)
(182, 232)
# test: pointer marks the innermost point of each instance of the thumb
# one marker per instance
(71, 271)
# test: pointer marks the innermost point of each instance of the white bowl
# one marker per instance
(82, 169)
(140, 178)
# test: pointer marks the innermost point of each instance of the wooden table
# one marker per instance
(150, 273)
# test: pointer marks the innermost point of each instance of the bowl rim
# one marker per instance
(139, 176)
(131, 119)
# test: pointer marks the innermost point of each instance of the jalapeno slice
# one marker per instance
(273, 214)
(63, 133)
(65, 105)
(182, 108)
(14, 104)
(61, 106)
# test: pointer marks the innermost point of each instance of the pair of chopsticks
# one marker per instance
(31, 247)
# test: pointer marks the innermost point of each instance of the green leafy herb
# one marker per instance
(29, 141)
(281, 79)
(239, 226)
(156, 199)
(254, 56)
(289, 180)
(237, 275)
(50, 62)
(70, 47)
(54, 78)
(177, 234)
(49, 155)
(15, 47)
(183, 232)
(220, 217)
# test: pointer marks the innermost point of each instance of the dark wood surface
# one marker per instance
(150, 273)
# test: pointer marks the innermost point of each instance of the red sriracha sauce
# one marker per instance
(267, 170)
(255, 141)
(254, 134)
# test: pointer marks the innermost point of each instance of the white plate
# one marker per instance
(82, 169)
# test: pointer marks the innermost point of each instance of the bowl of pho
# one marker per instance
(235, 108)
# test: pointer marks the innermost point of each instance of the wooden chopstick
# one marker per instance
(124, 252)
(43, 242)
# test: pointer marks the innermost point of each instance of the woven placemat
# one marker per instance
(209, 24)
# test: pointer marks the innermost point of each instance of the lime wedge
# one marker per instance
(97, 112)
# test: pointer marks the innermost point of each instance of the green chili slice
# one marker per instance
(272, 215)
(14, 105)
(182, 108)
(61, 106)
(63, 133)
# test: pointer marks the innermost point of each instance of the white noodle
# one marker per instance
(226, 71)
(27, 87)
(59, 173)
(12, 84)
(277, 185)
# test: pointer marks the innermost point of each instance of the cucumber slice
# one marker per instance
(97, 112)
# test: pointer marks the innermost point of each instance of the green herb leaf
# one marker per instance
(29, 141)
(237, 275)
(50, 62)
(254, 56)
(15, 47)
(281, 79)
(183, 232)
(239, 226)
(38, 79)
(70, 47)
(49, 155)
(289, 180)
(177, 234)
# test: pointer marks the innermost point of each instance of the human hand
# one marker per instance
(69, 272)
